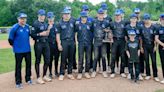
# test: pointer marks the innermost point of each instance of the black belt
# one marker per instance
(41, 40)
(67, 40)
(52, 42)
(118, 38)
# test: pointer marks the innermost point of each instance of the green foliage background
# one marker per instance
(10, 8)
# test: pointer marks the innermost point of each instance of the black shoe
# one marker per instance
(56, 74)
(50, 76)
(136, 81)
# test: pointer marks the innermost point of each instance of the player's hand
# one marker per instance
(60, 48)
(138, 53)
(142, 50)
(50, 26)
(128, 56)
(154, 49)
(163, 45)
(106, 30)
(44, 33)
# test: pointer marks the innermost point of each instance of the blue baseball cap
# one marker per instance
(85, 7)
(162, 16)
(50, 15)
(133, 15)
(41, 12)
(83, 14)
(22, 15)
(117, 12)
(146, 16)
(136, 10)
(122, 11)
(66, 11)
(131, 32)
(100, 11)
(104, 6)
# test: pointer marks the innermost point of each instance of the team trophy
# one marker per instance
(108, 36)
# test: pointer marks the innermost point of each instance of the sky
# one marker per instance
(112, 1)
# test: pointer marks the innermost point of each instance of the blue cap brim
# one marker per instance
(23, 16)
(146, 18)
(117, 14)
(133, 17)
(50, 17)
(83, 16)
(65, 13)
(105, 8)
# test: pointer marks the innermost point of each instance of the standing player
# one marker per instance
(160, 40)
(20, 34)
(40, 31)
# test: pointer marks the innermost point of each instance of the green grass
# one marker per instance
(6, 27)
(162, 90)
(158, 60)
(7, 60)
(4, 36)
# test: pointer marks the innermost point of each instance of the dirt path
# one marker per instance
(98, 84)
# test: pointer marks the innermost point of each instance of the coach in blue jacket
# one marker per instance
(19, 40)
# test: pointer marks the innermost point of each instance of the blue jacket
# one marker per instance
(19, 36)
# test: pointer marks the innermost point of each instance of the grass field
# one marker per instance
(3, 36)
(162, 90)
(7, 60)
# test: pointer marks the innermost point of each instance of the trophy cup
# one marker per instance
(108, 36)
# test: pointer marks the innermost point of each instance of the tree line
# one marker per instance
(9, 9)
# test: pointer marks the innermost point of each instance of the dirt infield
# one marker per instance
(98, 84)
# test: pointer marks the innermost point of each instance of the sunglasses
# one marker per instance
(137, 12)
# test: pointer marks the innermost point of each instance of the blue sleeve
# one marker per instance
(12, 32)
